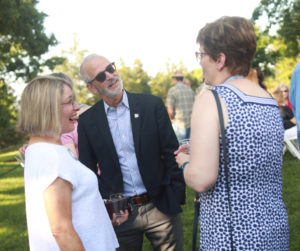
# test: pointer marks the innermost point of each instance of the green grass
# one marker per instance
(13, 229)
(13, 233)
(291, 196)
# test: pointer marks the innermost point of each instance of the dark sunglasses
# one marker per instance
(101, 76)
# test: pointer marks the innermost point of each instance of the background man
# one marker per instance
(180, 101)
(295, 97)
(130, 136)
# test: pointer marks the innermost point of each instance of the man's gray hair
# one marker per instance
(86, 78)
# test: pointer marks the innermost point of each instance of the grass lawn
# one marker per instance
(13, 233)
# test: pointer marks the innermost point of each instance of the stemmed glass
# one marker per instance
(20, 158)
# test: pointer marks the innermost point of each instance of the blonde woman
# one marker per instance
(64, 208)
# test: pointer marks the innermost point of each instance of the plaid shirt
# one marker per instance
(181, 98)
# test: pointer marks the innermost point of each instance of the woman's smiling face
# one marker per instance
(69, 108)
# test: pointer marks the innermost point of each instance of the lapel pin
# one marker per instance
(136, 115)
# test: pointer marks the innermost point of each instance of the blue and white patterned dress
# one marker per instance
(259, 219)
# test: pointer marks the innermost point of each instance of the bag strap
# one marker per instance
(196, 216)
(225, 154)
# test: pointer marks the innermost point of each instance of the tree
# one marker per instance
(267, 52)
(285, 15)
(74, 58)
(162, 82)
(195, 77)
(8, 116)
(23, 42)
(135, 79)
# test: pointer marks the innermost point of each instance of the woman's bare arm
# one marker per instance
(58, 204)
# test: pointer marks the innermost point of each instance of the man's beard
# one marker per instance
(108, 93)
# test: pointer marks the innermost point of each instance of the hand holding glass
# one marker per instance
(117, 207)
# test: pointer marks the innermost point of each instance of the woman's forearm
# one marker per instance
(58, 204)
(293, 120)
(68, 239)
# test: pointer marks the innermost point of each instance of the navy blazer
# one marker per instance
(154, 142)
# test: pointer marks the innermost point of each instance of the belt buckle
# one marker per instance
(139, 199)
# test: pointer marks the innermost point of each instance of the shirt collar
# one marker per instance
(124, 102)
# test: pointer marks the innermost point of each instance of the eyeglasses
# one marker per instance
(71, 102)
(199, 55)
(285, 91)
(101, 76)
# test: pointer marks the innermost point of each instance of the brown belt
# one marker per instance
(139, 199)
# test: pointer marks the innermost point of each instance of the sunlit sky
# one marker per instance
(154, 31)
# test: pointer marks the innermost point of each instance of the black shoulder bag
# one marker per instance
(197, 199)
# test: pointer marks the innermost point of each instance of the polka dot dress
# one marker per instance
(259, 219)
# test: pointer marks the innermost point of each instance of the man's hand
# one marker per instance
(121, 218)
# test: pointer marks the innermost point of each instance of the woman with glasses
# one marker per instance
(247, 212)
(64, 208)
(287, 114)
(284, 89)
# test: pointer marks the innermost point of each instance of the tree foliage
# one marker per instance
(74, 58)
(195, 77)
(23, 42)
(8, 135)
(285, 15)
(135, 79)
(162, 82)
(268, 52)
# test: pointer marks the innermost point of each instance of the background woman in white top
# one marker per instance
(64, 208)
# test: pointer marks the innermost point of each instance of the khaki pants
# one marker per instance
(163, 231)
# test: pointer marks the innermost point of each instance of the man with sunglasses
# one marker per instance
(131, 137)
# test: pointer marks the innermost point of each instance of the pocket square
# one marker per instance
(136, 115)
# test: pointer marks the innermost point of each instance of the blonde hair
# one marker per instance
(277, 94)
(40, 112)
(280, 86)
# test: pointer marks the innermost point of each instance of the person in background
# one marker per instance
(285, 95)
(250, 210)
(131, 137)
(287, 114)
(187, 82)
(202, 87)
(256, 75)
(180, 99)
(295, 97)
(70, 139)
(261, 78)
(64, 209)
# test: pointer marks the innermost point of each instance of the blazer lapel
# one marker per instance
(135, 116)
